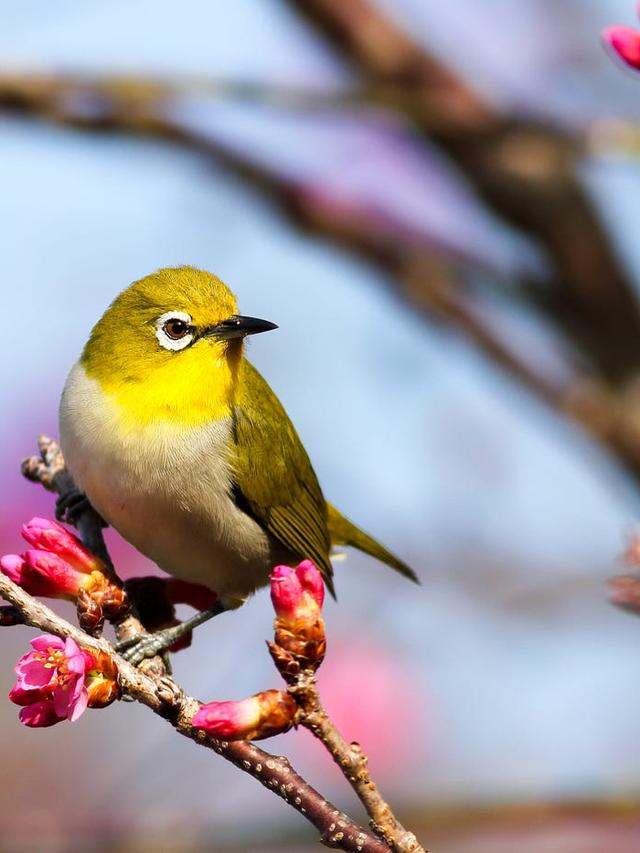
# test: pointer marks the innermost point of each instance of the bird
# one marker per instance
(181, 445)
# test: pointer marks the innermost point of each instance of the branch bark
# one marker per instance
(353, 764)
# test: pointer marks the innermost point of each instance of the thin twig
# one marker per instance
(353, 764)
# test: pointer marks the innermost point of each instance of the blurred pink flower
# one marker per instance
(624, 42)
(50, 682)
(263, 715)
(376, 699)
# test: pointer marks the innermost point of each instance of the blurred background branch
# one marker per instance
(524, 171)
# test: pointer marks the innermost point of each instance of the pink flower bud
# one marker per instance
(263, 715)
(311, 580)
(50, 536)
(297, 594)
(13, 567)
(49, 575)
(624, 42)
(101, 681)
(42, 574)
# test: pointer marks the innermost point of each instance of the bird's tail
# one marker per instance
(343, 532)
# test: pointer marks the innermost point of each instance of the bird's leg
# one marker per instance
(72, 504)
(136, 649)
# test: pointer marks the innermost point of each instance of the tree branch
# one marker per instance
(352, 763)
(153, 688)
(165, 698)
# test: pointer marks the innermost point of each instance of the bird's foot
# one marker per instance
(143, 646)
(137, 648)
(70, 506)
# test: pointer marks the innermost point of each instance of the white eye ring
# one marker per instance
(164, 339)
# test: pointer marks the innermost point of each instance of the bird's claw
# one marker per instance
(136, 649)
(70, 506)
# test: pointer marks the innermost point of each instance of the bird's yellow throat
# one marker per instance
(191, 390)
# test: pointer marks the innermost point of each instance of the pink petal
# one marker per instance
(47, 641)
(228, 719)
(62, 699)
(53, 575)
(89, 660)
(39, 715)
(79, 706)
(32, 673)
(311, 580)
(74, 656)
(48, 535)
(21, 696)
(76, 690)
(286, 591)
(13, 567)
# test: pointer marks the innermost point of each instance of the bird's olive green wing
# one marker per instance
(273, 478)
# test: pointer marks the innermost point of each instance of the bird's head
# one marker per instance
(169, 347)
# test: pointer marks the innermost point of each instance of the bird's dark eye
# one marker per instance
(175, 329)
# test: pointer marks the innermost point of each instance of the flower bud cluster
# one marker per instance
(59, 566)
(299, 643)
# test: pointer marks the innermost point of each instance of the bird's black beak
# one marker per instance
(238, 326)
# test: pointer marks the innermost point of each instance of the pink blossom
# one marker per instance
(624, 42)
(47, 535)
(51, 681)
(42, 573)
(263, 715)
(297, 594)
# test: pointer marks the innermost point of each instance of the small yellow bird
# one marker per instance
(182, 446)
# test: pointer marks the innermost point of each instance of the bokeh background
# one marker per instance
(438, 206)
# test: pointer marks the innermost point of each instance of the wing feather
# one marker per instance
(273, 477)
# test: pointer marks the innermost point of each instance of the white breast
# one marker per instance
(166, 489)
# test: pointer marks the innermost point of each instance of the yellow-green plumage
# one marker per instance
(183, 446)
